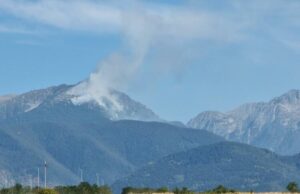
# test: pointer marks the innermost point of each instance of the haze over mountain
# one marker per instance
(274, 125)
(52, 125)
(235, 165)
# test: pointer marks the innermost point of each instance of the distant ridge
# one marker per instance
(274, 125)
(234, 165)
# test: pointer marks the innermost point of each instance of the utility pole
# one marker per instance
(38, 178)
(45, 183)
(30, 181)
(6, 182)
(81, 175)
(97, 175)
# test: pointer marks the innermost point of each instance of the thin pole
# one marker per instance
(30, 179)
(97, 175)
(38, 178)
(6, 182)
(81, 175)
(45, 183)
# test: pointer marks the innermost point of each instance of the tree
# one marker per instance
(292, 187)
(85, 188)
(127, 190)
(176, 190)
(222, 189)
(104, 190)
(18, 188)
(162, 190)
(47, 191)
(183, 190)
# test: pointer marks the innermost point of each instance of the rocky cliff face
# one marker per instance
(274, 125)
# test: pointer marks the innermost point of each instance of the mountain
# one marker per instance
(127, 108)
(233, 165)
(274, 125)
(6, 97)
(50, 125)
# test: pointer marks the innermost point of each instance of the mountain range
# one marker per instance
(274, 125)
(104, 131)
(46, 125)
(235, 165)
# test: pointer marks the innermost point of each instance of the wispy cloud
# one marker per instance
(187, 21)
(14, 29)
(101, 16)
(64, 14)
(171, 28)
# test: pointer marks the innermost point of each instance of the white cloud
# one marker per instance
(63, 14)
(110, 17)
(145, 25)
(14, 29)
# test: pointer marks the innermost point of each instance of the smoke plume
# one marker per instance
(117, 70)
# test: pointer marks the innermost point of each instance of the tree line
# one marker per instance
(86, 188)
(82, 188)
(183, 190)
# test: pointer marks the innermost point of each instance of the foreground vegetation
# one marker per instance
(86, 188)
(184, 190)
(82, 188)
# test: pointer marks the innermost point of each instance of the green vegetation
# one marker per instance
(184, 190)
(127, 190)
(82, 188)
(46, 191)
(292, 187)
(221, 189)
(86, 188)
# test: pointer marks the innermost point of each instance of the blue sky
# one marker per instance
(181, 57)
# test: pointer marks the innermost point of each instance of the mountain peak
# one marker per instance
(85, 92)
(274, 125)
(115, 105)
(291, 97)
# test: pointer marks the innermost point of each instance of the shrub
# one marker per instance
(292, 187)
(163, 190)
(222, 189)
(47, 191)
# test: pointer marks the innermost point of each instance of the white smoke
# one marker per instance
(119, 68)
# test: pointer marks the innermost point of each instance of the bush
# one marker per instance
(104, 190)
(222, 189)
(17, 188)
(163, 190)
(184, 190)
(127, 190)
(47, 191)
(292, 187)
